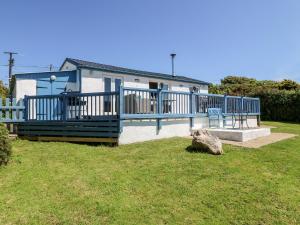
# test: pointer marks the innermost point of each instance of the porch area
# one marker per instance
(130, 115)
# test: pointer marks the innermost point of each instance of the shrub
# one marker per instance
(280, 105)
(280, 100)
(5, 145)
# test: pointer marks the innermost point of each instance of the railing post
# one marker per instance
(21, 115)
(225, 104)
(259, 113)
(259, 106)
(121, 108)
(242, 113)
(159, 109)
(13, 109)
(1, 109)
(64, 108)
(7, 109)
(225, 110)
(192, 109)
(242, 104)
(26, 106)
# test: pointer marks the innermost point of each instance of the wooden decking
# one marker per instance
(98, 117)
(81, 131)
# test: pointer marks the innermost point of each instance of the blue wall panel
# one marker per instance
(46, 87)
(53, 107)
(44, 84)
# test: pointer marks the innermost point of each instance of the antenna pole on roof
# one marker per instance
(173, 56)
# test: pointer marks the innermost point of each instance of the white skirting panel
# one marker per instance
(145, 130)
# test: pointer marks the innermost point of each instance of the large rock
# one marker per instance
(205, 141)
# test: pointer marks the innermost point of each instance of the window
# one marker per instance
(107, 84)
(153, 85)
(117, 84)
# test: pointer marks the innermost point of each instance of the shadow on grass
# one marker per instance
(90, 144)
(96, 144)
(285, 122)
(192, 149)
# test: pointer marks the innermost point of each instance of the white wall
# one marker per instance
(138, 131)
(68, 66)
(25, 87)
(145, 130)
(93, 81)
(201, 122)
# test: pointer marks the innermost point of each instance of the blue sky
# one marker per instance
(212, 38)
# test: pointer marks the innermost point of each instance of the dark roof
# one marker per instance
(39, 73)
(92, 65)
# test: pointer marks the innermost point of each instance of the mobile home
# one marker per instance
(86, 101)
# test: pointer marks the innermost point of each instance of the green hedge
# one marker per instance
(280, 105)
(5, 145)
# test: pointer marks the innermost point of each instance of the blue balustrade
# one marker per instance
(135, 103)
(11, 110)
(72, 106)
(156, 104)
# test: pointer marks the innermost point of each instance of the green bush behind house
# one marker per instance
(280, 100)
(280, 105)
(5, 145)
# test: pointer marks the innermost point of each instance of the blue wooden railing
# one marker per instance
(158, 104)
(11, 110)
(147, 103)
(134, 103)
(72, 106)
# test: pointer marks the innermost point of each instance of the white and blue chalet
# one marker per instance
(96, 102)
(85, 77)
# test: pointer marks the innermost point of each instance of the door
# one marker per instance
(50, 108)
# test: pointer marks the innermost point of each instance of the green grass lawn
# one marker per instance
(156, 182)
